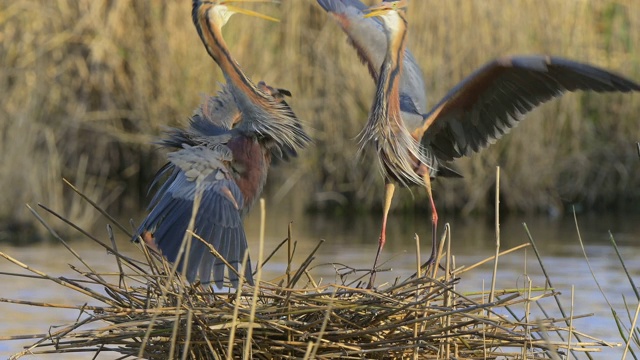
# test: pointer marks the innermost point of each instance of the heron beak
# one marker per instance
(379, 10)
(248, 12)
(376, 12)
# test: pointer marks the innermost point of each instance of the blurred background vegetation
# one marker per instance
(87, 85)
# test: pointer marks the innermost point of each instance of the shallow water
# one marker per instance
(353, 242)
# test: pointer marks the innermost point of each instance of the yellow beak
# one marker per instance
(248, 12)
(378, 10)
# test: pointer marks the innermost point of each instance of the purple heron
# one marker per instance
(221, 159)
(413, 147)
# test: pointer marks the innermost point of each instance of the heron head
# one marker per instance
(388, 11)
(222, 10)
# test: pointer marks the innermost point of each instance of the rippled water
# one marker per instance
(353, 242)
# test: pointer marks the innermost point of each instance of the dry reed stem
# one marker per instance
(347, 321)
(497, 256)
(160, 316)
(633, 326)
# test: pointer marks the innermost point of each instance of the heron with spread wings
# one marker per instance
(413, 146)
(219, 164)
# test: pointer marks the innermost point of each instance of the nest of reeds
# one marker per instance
(150, 312)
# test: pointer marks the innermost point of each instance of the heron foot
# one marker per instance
(381, 242)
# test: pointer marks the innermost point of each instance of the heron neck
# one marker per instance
(211, 35)
(389, 82)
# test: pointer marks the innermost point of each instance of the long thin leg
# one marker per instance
(389, 189)
(434, 220)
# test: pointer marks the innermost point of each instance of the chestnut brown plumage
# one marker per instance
(222, 159)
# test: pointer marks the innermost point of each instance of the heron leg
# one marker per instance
(389, 189)
(434, 221)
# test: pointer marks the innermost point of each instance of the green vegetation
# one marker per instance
(87, 85)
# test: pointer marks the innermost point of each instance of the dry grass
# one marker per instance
(96, 81)
(143, 310)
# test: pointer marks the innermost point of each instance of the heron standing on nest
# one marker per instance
(413, 147)
(220, 162)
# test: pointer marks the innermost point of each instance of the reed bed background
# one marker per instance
(87, 85)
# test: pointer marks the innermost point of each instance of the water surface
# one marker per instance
(353, 242)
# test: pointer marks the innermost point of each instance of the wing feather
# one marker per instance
(491, 101)
(218, 220)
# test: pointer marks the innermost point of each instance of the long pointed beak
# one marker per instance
(248, 12)
(381, 9)
(376, 12)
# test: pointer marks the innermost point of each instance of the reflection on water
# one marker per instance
(353, 242)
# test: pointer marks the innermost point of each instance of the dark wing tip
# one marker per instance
(591, 77)
(231, 244)
(603, 80)
(484, 106)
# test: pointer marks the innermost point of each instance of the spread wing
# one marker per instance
(487, 104)
(367, 36)
(200, 169)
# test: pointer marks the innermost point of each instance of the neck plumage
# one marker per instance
(264, 114)
(387, 93)
(211, 36)
(397, 150)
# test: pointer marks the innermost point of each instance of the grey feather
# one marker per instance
(492, 100)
